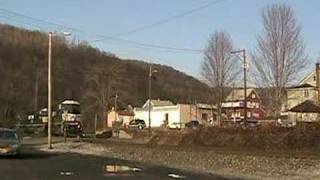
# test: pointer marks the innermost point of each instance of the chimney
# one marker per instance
(318, 80)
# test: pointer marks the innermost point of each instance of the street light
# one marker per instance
(151, 72)
(243, 51)
(49, 87)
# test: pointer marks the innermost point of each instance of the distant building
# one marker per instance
(305, 90)
(302, 100)
(305, 112)
(124, 116)
(233, 106)
(167, 114)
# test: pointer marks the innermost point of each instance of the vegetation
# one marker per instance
(80, 72)
(218, 67)
(280, 55)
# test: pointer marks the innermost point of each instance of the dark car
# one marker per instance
(192, 124)
(9, 142)
(137, 123)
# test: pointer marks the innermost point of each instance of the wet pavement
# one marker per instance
(35, 165)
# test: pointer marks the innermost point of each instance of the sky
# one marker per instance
(91, 20)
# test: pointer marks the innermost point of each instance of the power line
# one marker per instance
(40, 20)
(141, 44)
(166, 20)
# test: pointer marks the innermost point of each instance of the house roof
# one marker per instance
(306, 85)
(238, 94)
(206, 106)
(159, 102)
(307, 106)
(307, 77)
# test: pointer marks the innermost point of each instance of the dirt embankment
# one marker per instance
(270, 138)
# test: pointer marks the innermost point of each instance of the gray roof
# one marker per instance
(238, 94)
(159, 102)
(307, 106)
(306, 85)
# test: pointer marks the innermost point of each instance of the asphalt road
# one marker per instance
(35, 165)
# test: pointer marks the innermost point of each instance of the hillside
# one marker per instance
(80, 72)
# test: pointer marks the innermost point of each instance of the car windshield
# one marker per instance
(71, 108)
(8, 135)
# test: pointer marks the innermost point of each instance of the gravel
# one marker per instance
(243, 165)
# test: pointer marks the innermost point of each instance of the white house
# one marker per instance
(165, 113)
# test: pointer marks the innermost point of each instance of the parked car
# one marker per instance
(104, 134)
(176, 125)
(192, 124)
(137, 123)
(10, 143)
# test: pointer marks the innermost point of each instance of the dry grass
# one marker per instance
(268, 137)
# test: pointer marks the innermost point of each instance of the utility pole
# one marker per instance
(318, 80)
(49, 88)
(49, 93)
(36, 92)
(151, 71)
(149, 102)
(243, 51)
(115, 106)
(196, 106)
(245, 84)
(95, 125)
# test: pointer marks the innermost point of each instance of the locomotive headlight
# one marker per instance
(72, 118)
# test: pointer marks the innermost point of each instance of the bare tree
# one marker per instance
(102, 82)
(280, 54)
(218, 67)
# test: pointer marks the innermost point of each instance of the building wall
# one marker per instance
(235, 110)
(177, 115)
(113, 116)
(299, 95)
(158, 116)
(302, 117)
(191, 112)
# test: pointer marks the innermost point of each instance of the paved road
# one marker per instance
(35, 165)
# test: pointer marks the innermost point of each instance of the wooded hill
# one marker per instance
(80, 72)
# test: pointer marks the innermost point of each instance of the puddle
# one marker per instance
(66, 173)
(114, 169)
(176, 176)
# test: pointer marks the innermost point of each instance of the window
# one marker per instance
(253, 95)
(249, 114)
(306, 93)
(166, 117)
(204, 116)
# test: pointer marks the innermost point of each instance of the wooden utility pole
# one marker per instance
(243, 51)
(115, 107)
(49, 93)
(149, 102)
(318, 81)
(95, 125)
(245, 84)
(151, 71)
(196, 106)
